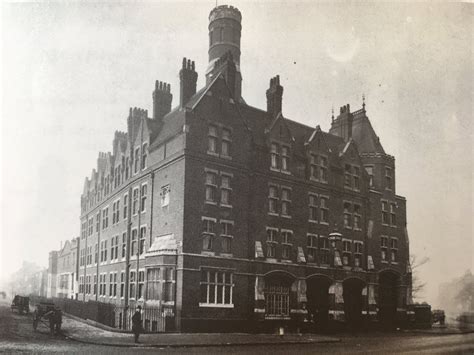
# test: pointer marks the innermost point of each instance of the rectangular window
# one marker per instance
(273, 199)
(211, 187)
(385, 213)
(95, 284)
(370, 171)
(132, 285)
(319, 168)
(136, 160)
(153, 284)
(165, 195)
(285, 201)
(143, 198)
(142, 240)
(134, 241)
(324, 209)
(347, 215)
(323, 250)
(116, 246)
(141, 283)
(277, 300)
(271, 242)
(388, 178)
(358, 254)
(96, 249)
(347, 176)
(212, 140)
(311, 247)
(124, 244)
(112, 248)
(357, 217)
(125, 206)
(226, 142)
(135, 201)
(226, 236)
(122, 284)
(111, 285)
(127, 168)
(216, 288)
(275, 156)
(285, 158)
(97, 222)
(313, 208)
(168, 284)
(144, 155)
(393, 249)
(384, 248)
(225, 190)
(105, 218)
(286, 241)
(90, 226)
(207, 233)
(356, 177)
(346, 252)
(393, 215)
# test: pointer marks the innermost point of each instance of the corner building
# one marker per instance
(222, 216)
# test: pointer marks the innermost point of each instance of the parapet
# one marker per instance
(225, 11)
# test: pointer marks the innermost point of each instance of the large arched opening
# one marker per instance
(353, 301)
(277, 295)
(317, 293)
(387, 302)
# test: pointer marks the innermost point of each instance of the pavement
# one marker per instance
(78, 330)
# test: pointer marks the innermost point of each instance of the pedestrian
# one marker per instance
(137, 323)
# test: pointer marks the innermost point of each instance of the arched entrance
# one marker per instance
(317, 293)
(277, 295)
(388, 289)
(353, 301)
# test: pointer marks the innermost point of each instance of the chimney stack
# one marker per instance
(162, 99)
(342, 125)
(188, 80)
(274, 97)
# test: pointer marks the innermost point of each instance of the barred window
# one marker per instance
(277, 300)
(216, 288)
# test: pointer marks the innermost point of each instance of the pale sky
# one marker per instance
(71, 70)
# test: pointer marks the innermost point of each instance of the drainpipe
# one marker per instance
(98, 260)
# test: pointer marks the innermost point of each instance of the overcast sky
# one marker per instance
(71, 71)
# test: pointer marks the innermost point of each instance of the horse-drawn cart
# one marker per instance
(22, 304)
(49, 315)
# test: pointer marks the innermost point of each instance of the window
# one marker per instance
(279, 157)
(115, 285)
(370, 171)
(153, 284)
(135, 201)
(125, 206)
(127, 167)
(212, 140)
(324, 250)
(277, 300)
(393, 250)
(141, 283)
(383, 248)
(115, 247)
(358, 254)
(346, 252)
(311, 247)
(144, 155)
(286, 237)
(132, 284)
(385, 213)
(388, 178)
(323, 207)
(143, 198)
(133, 249)
(105, 218)
(96, 257)
(95, 284)
(122, 284)
(352, 177)
(136, 160)
(105, 250)
(207, 233)
(319, 168)
(211, 187)
(226, 236)
(273, 199)
(347, 215)
(97, 222)
(216, 288)
(285, 202)
(142, 239)
(313, 208)
(111, 285)
(168, 284)
(271, 242)
(393, 216)
(357, 217)
(356, 177)
(347, 176)
(226, 142)
(90, 226)
(124, 244)
(165, 195)
(116, 212)
(225, 190)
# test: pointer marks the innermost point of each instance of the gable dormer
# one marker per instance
(352, 166)
(318, 157)
(280, 143)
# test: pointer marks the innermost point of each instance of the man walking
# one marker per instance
(137, 323)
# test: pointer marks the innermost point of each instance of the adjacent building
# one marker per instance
(225, 216)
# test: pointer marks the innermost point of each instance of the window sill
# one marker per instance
(312, 221)
(226, 157)
(227, 255)
(384, 261)
(208, 253)
(394, 263)
(273, 214)
(213, 154)
(275, 169)
(285, 216)
(212, 305)
(286, 261)
(225, 206)
(324, 223)
(285, 172)
(271, 259)
(210, 203)
(358, 229)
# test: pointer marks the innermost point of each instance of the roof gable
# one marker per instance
(317, 141)
(279, 129)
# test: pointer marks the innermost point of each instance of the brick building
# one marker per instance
(66, 273)
(226, 216)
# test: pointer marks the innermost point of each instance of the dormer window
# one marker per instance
(279, 158)
(226, 142)
(352, 177)
(212, 140)
(370, 171)
(285, 158)
(144, 155)
(219, 135)
(319, 168)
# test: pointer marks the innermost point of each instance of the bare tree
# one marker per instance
(418, 286)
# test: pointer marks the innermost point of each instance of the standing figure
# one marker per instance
(137, 323)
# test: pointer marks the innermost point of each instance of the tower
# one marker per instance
(224, 37)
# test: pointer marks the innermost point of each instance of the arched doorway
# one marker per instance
(353, 301)
(277, 295)
(317, 293)
(388, 289)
